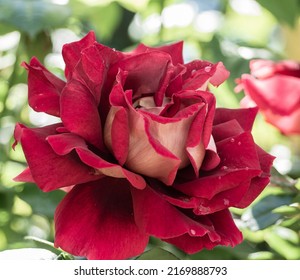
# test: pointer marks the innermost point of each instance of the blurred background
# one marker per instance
(231, 31)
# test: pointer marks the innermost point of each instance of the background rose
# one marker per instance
(274, 88)
(143, 150)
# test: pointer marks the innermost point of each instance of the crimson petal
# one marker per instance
(63, 144)
(71, 52)
(79, 113)
(245, 117)
(44, 88)
(156, 216)
(96, 220)
(223, 225)
(174, 50)
(49, 170)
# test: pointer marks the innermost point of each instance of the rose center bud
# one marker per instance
(170, 133)
(153, 140)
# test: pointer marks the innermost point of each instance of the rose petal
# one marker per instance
(289, 124)
(200, 72)
(49, 170)
(93, 66)
(258, 183)
(155, 216)
(278, 86)
(44, 88)
(210, 185)
(223, 200)
(227, 130)
(79, 113)
(261, 68)
(146, 154)
(97, 220)
(25, 176)
(231, 172)
(72, 51)
(174, 50)
(63, 144)
(245, 117)
(200, 135)
(145, 72)
(223, 226)
(117, 133)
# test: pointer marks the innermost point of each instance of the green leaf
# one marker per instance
(288, 211)
(262, 255)
(33, 16)
(282, 241)
(285, 11)
(157, 254)
(260, 215)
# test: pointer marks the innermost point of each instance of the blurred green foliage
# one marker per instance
(232, 31)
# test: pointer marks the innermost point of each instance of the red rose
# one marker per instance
(275, 88)
(143, 150)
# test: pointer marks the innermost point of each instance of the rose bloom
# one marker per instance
(142, 150)
(275, 88)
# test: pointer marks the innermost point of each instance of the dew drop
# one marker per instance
(224, 167)
(232, 140)
(247, 168)
(239, 143)
(193, 232)
(207, 69)
(219, 177)
(226, 201)
(201, 210)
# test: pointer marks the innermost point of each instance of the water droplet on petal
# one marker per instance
(239, 143)
(224, 167)
(193, 232)
(247, 168)
(207, 69)
(226, 201)
(232, 140)
(201, 210)
(219, 177)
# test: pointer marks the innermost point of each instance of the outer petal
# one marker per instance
(279, 88)
(239, 163)
(174, 50)
(71, 52)
(288, 124)
(96, 220)
(93, 66)
(49, 170)
(63, 144)
(261, 68)
(199, 73)
(79, 113)
(245, 117)
(25, 176)
(258, 183)
(157, 217)
(222, 224)
(44, 88)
